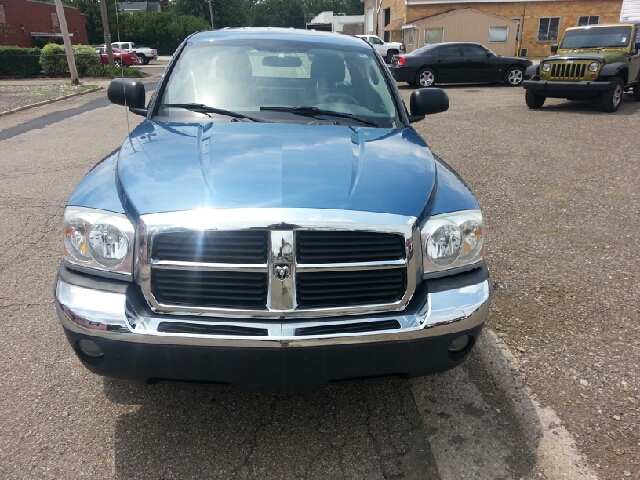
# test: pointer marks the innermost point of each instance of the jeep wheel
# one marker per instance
(514, 76)
(533, 99)
(426, 78)
(612, 99)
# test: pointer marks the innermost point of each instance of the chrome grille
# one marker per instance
(221, 289)
(317, 246)
(339, 289)
(568, 71)
(289, 263)
(248, 246)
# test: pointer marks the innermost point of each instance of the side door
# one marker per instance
(479, 64)
(378, 45)
(448, 61)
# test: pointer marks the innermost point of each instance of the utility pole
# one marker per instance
(71, 60)
(211, 13)
(105, 30)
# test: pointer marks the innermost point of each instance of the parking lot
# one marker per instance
(559, 188)
(561, 203)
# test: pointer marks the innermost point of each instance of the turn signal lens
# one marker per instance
(75, 240)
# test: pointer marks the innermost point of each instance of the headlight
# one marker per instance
(99, 240)
(452, 240)
(546, 67)
(593, 66)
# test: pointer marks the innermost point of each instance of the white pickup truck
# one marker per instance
(144, 54)
(386, 49)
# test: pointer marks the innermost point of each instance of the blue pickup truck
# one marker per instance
(274, 223)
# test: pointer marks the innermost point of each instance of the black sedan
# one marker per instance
(457, 63)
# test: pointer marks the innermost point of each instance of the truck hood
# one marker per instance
(165, 167)
(597, 54)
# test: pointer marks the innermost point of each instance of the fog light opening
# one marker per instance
(460, 344)
(89, 349)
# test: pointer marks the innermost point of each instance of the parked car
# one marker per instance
(275, 222)
(592, 62)
(457, 62)
(144, 54)
(120, 58)
(386, 49)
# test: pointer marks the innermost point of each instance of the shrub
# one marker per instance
(112, 72)
(19, 61)
(86, 56)
(53, 60)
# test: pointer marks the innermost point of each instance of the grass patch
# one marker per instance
(107, 71)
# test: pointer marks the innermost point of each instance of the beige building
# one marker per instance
(463, 25)
(542, 22)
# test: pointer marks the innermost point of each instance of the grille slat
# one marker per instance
(318, 246)
(568, 71)
(361, 327)
(337, 289)
(245, 246)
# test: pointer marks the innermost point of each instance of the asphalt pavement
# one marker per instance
(560, 199)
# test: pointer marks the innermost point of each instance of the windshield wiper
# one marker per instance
(201, 108)
(315, 111)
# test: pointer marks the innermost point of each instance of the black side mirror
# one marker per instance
(554, 48)
(426, 101)
(128, 92)
(488, 54)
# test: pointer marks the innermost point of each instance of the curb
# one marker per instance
(47, 102)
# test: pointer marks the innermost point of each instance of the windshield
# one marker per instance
(596, 37)
(265, 73)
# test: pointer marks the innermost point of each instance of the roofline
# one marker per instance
(49, 3)
(453, 11)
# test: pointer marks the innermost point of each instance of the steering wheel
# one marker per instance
(339, 98)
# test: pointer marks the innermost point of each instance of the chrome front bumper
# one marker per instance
(111, 316)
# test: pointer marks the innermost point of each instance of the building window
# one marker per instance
(588, 20)
(548, 29)
(498, 34)
(433, 35)
(3, 18)
(409, 36)
(54, 20)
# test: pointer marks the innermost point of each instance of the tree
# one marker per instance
(278, 13)
(226, 13)
(91, 11)
(163, 31)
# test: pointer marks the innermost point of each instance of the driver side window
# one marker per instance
(376, 41)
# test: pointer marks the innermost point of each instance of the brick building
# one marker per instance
(541, 22)
(25, 23)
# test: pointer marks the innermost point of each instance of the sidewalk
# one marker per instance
(18, 94)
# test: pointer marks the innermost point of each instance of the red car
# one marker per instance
(120, 58)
